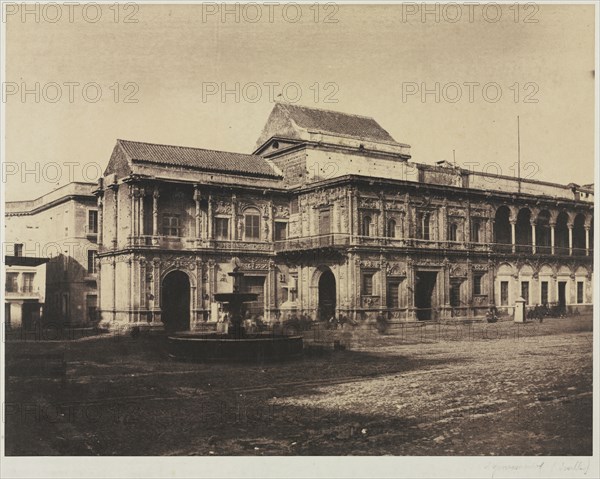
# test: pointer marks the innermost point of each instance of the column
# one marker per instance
(349, 212)
(468, 223)
(513, 234)
(354, 213)
(470, 287)
(114, 288)
(382, 218)
(200, 288)
(384, 283)
(444, 229)
(100, 202)
(587, 240)
(155, 196)
(142, 220)
(115, 190)
(233, 234)
(210, 217)
(131, 290)
(570, 226)
(156, 313)
(410, 300)
(491, 283)
(197, 197)
(552, 226)
(533, 223)
(269, 229)
(271, 291)
(132, 213)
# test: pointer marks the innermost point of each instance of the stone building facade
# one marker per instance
(329, 215)
(61, 227)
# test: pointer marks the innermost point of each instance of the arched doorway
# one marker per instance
(326, 295)
(175, 301)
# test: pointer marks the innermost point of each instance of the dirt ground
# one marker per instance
(482, 389)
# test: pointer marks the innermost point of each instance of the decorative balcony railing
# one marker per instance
(189, 243)
(539, 250)
(342, 240)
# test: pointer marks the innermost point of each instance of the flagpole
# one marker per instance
(519, 153)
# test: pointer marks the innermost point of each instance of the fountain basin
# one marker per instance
(190, 346)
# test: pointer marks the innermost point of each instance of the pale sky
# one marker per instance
(370, 57)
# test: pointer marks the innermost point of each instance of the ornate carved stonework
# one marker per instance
(369, 203)
(396, 269)
(458, 271)
(369, 264)
(222, 207)
(281, 211)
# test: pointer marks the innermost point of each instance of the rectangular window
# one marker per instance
(579, 292)
(452, 229)
(252, 227)
(455, 294)
(525, 291)
(544, 292)
(222, 228)
(477, 284)
(280, 230)
(393, 295)
(423, 226)
(28, 282)
(503, 293)
(294, 208)
(12, 282)
(18, 249)
(91, 261)
(324, 222)
(367, 286)
(171, 225)
(92, 221)
(475, 230)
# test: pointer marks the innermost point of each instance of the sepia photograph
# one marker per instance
(299, 239)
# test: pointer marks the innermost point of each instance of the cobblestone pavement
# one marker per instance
(470, 390)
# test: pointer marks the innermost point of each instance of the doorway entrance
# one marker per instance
(175, 302)
(562, 296)
(326, 295)
(424, 287)
(256, 285)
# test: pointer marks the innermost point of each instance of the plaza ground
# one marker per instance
(480, 389)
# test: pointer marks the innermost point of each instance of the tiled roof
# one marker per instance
(198, 158)
(337, 123)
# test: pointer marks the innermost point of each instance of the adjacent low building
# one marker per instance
(329, 216)
(25, 291)
(61, 227)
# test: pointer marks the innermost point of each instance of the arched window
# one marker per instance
(453, 232)
(252, 224)
(423, 231)
(391, 229)
(366, 226)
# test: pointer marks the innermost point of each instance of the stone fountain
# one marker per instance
(237, 344)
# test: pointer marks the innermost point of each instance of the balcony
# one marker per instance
(342, 240)
(331, 240)
(539, 250)
(191, 243)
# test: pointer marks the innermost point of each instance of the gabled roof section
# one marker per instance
(129, 153)
(299, 122)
